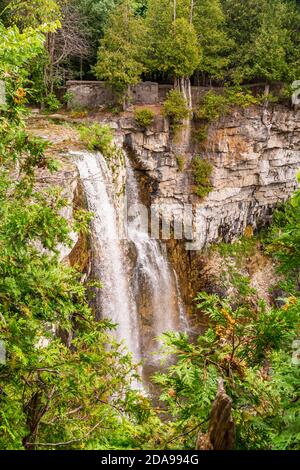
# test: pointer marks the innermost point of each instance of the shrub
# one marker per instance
(98, 137)
(212, 107)
(180, 162)
(68, 97)
(240, 97)
(144, 117)
(202, 170)
(175, 108)
(215, 105)
(200, 135)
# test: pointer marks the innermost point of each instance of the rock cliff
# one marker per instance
(255, 155)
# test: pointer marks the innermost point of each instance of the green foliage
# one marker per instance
(52, 103)
(66, 383)
(144, 117)
(238, 341)
(243, 247)
(175, 108)
(215, 43)
(119, 55)
(215, 105)
(16, 58)
(265, 36)
(26, 14)
(171, 43)
(68, 96)
(94, 14)
(267, 57)
(200, 134)
(284, 237)
(180, 159)
(202, 171)
(98, 137)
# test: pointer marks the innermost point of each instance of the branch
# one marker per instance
(56, 444)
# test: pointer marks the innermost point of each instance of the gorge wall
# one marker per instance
(255, 155)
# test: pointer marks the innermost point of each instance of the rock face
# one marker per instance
(255, 155)
(67, 180)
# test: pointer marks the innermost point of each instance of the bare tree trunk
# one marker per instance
(183, 84)
(221, 429)
(81, 68)
(267, 89)
(266, 94)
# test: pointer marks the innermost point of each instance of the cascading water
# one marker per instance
(140, 290)
(154, 282)
(114, 300)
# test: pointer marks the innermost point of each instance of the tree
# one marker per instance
(247, 348)
(267, 57)
(266, 39)
(68, 42)
(292, 24)
(120, 52)
(209, 23)
(94, 15)
(29, 13)
(285, 236)
(172, 45)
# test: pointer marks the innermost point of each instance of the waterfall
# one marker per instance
(140, 290)
(152, 274)
(114, 300)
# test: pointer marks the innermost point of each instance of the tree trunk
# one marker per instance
(221, 429)
(191, 11)
(267, 89)
(184, 86)
(48, 72)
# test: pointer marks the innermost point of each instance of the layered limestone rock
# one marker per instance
(66, 179)
(255, 155)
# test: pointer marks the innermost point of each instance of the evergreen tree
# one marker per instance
(209, 22)
(267, 56)
(61, 386)
(120, 52)
(266, 36)
(172, 44)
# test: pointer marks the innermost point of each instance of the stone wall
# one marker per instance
(89, 94)
(95, 94)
